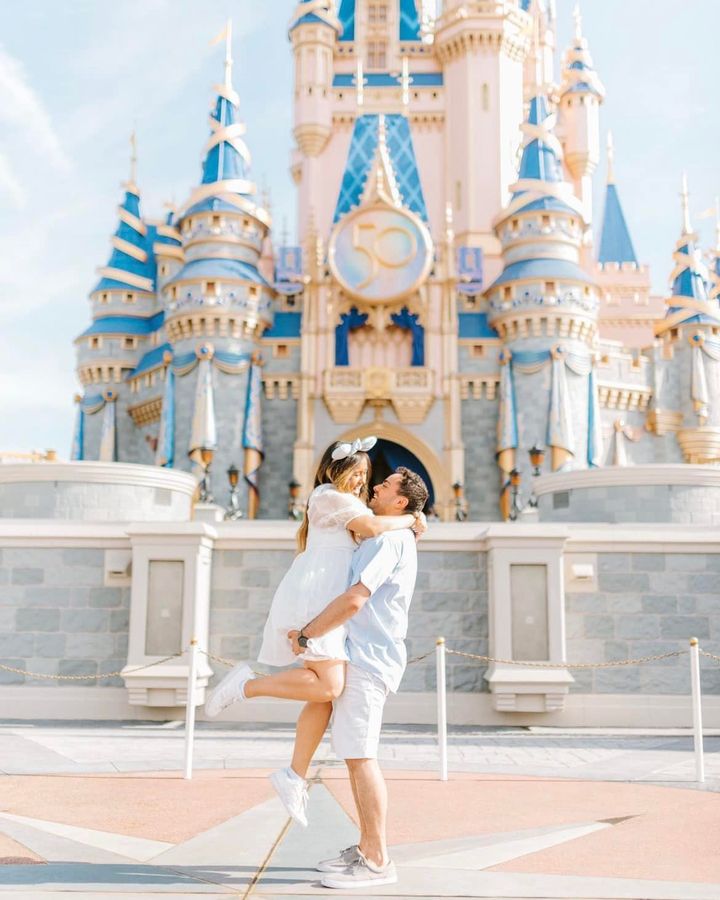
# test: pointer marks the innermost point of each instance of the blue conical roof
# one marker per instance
(541, 155)
(132, 264)
(226, 166)
(322, 14)
(689, 301)
(616, 245)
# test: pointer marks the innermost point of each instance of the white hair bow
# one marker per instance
(342, 451)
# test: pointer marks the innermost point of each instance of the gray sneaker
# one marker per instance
(340, 863)
(361, 874)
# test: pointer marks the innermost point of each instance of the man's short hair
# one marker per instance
(413, 488)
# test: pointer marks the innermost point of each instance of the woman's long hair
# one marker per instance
(336, 472)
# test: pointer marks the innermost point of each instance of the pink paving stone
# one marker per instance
(158, 806)
(674, 835)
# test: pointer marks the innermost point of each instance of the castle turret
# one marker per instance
(314, 28)
(541, 56)
(689, 355)
(581, 94)
(481, 48)
(218, 304)
(544, 307)
(124, 315)
(627, 311)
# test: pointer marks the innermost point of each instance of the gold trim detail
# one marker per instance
(147, 412)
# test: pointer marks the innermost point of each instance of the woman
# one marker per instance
(335, 519)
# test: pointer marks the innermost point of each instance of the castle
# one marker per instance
(452, 290)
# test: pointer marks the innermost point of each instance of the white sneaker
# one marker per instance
(340, 863)
(361, 873)
(229, 691)
(292, 790)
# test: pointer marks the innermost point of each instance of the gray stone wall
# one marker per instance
(646, 604)
(58, 618)
(633, 503)
(450, 600)
(92, 502)
(279, 421)
(482, 476)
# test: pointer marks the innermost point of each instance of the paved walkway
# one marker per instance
(94, 810)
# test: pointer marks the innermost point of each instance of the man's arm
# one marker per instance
(335, 613)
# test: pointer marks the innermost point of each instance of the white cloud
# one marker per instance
(10, 185)
(23, 116)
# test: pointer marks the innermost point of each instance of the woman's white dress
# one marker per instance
(317, 575)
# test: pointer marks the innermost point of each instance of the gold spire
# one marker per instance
(228, 55)
(381, 183)
(684, 197)
(577, 15)
(610, 158)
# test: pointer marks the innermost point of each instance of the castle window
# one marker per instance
(507, 293)
(485, 97)
(377, 13)
(163, 269)
(376, 55)
(515, 224)
(545, 221)
(129, 298)
(216, 221)
(281, 351)
(674, 334)
(550, 287)
(210, 288)
(477, 351)
(586, 291)
(129, 343)
(95, 343)
(253, 292)
(173, 293)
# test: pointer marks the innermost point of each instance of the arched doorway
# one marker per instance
(386, 456)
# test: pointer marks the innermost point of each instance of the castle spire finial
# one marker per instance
(577, 15)
(610, 158)
(133, 159)
(228, 55)
(684, 196)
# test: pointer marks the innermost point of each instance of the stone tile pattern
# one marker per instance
(482, 490)
(646, 604)
(635, 503)
(279, 422)
(450, 600)
(58, 618)
(93, 502)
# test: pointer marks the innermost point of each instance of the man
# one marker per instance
(374, 610)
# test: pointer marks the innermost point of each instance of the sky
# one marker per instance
(76, 77)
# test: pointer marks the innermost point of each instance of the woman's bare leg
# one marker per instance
(311, 725)
(319, 681)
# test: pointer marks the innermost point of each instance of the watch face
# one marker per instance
(380, 254)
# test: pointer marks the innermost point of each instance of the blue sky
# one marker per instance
(77, 76)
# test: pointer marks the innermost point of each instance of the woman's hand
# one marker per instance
(420, 526)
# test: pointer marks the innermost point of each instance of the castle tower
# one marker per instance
(581, 94)
(689, 355)
(627, 311)
(168, 249)
(540, 59)
(125, 315)
(481, 48)
(544, 307)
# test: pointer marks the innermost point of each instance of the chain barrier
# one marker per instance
(120, 674)
(415, 659)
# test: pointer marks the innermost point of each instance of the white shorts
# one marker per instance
(357, 715)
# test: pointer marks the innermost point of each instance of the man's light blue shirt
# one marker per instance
(387, 566)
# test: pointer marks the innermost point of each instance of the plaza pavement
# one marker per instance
(101, 810)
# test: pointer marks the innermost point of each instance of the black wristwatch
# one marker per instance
(302, 640)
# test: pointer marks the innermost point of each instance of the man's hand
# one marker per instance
(293, 638)
(420, 526)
